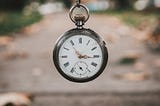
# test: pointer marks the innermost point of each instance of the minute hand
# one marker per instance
(77, 52)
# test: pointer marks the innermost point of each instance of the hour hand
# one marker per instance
(85, 56)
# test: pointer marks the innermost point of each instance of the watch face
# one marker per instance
(79, 57)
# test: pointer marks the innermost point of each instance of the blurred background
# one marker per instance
(30, 28)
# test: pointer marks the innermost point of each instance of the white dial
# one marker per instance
(80, 57)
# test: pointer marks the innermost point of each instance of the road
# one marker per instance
(32, 69)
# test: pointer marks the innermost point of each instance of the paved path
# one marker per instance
(37, 74)
(98, 100)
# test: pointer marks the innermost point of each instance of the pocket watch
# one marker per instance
(80, 54)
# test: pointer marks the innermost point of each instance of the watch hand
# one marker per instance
(78, 54)
(84, 56)
(80, 67)
(76, 51)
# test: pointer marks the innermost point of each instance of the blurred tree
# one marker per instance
(124, 4)
(16, 4)
(67, 3)
(12, 4)
(40, 1)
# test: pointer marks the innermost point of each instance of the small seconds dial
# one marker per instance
(80, 68)
(80, 57)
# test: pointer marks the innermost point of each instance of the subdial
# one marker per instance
(81, 68)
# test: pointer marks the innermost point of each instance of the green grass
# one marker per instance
(15, 20)
(132, 17)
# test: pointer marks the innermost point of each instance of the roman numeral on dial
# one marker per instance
(66, 64)
(94, 64)
(64, 56)
(72, 43)
(96, 56)
(88, 42)
(80, 40)
(94, 48)
(66, 48)
(72, 70)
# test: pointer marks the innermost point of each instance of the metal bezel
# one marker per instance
(74, 32)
